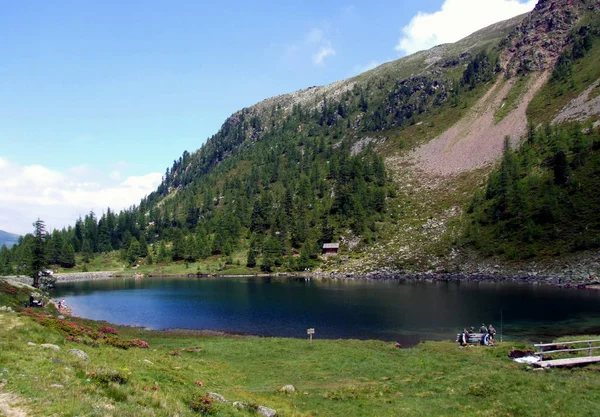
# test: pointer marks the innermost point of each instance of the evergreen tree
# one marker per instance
(251, 260)
(163, 254)
(86, 250)
(143, 247)
(37, 261)
(133, 253)
(178, 249)
(67, 256)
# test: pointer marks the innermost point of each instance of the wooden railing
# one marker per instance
(589, 348)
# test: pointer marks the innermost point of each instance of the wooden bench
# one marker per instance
(471, 337)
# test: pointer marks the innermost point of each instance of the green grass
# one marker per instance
(513, 98)
(332, 378)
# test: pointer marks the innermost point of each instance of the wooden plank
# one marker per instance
(568, 362)
(564, 343)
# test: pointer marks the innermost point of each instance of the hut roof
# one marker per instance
(331, 245)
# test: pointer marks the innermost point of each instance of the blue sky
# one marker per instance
(100, 94)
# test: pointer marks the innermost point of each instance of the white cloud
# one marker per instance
(315, 35)
(32, 191)
(314, 46)
(322, 53)
(455, 20)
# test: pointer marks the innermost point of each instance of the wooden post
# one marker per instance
(310, 333)
(501, 324)
(590, 346)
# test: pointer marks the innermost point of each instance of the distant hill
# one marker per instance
(8, 239)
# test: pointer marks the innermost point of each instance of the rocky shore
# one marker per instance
(384, 275)
(435, 277)
(72, 277)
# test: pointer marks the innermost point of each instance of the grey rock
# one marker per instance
(266, 412)
(50, 346)
(61, 317)
(217, 397)
(240, 405)
(31, 344)
(80, 354)
(287, 388)
(59, 386)
(147, 361)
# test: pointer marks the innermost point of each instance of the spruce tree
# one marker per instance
(37, 257)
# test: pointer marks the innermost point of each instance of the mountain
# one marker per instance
(475, 156)
(8, 239)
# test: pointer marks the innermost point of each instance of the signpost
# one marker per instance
(310, 333)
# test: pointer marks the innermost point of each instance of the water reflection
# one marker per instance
(388, 310)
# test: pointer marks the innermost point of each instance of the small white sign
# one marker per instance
(310, 331)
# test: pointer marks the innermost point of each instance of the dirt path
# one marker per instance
(8, 407)
(475, 140)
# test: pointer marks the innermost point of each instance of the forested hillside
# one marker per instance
(337, 163)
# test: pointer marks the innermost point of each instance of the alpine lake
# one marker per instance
(404, 311)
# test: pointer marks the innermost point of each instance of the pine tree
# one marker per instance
(67, 256)
(251, 260)
(163, 254)
(178, 249)
(133, 253)
(143, 247)
(86, 250)
(37, 257)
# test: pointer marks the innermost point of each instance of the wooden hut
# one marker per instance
(331, 249)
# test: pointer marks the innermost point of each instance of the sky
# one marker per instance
(98, 98)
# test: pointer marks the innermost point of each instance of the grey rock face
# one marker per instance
(50, 346)
(80, 354)
(266, 412)
(217, 397)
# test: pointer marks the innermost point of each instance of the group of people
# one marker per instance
(486, 336)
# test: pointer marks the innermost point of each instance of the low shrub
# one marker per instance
(107, 330)
(203, 405)
(104, 376)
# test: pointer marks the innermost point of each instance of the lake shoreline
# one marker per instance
(424, 277)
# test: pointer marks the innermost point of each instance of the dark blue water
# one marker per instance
(385, 310)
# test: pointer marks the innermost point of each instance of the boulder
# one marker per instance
(31, 344)
(240, 405)
(266, 412)
(287, 388)
(217, 397)
(50, 346)
(58, 386)
(80, 354)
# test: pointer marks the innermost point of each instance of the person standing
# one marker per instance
(492, 332)
(483, 329)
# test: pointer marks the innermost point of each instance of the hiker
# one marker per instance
(483, 329)
(462, 338)
(35, 303)
(492, 332)
(472, 330)
(62, 304)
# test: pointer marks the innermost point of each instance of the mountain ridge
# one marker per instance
(8, 239)
(387, 162)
